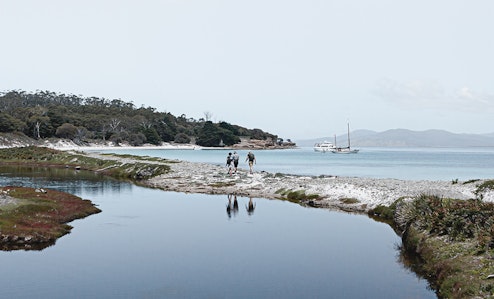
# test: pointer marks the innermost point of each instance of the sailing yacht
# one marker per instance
(345, 150)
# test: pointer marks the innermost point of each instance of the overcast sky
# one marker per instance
(298, 69)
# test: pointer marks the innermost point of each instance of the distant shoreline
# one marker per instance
(63, 144)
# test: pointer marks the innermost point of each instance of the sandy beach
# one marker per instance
(367, 193)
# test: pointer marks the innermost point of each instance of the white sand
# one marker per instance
(206, 178)
(212, 179)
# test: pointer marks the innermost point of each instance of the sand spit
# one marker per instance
(369, 193)
(191, 177)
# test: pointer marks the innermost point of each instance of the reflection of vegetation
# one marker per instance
(35, 218)
(454, 239)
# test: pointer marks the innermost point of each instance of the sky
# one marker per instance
(297, 69)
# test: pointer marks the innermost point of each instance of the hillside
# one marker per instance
(44, 115)
(408, 138)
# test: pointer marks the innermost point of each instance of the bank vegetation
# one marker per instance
(452, 239)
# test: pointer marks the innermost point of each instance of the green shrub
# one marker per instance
(383, 212)
(296, 196)
(456, 219)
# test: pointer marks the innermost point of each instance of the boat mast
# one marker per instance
(348, 126)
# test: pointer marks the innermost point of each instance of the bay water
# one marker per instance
(392, 162)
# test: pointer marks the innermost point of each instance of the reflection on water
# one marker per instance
(232, 206)
(250, 207)
(148, 243)
(63, 179)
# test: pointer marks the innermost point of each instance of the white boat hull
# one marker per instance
(324, 147)
(323, 150)
(344, 151)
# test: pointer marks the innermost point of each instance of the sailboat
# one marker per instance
(345, 150)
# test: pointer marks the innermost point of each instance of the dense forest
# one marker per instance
(45, 114)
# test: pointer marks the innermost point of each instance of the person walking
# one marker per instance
(229, 160)
(236, 157)
(252, 160)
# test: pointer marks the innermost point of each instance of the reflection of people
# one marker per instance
(252, 160)
(229, 160)
(251, 206)
(232, 207)
(229, 206)
(236, 157)
(235, 204)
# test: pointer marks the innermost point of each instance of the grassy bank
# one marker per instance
(453, 240)
(46, 157)
(35, 218)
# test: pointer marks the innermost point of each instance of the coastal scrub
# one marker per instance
(453, 239)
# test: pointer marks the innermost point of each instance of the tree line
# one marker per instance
(45, 114)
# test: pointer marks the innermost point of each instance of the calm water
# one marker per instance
(401, 163)
(154, 244)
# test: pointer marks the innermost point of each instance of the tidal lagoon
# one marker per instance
(148, 243)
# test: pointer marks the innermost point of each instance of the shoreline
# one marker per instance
(344, 193)
(355, 194)
(62, 144)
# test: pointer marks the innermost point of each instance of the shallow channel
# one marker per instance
(153, 244)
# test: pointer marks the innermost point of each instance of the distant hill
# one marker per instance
(408, 138)
(45, 114)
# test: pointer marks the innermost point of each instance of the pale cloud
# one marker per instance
(411, 93)
(465, 93)
(474, 100)
(427, 94)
